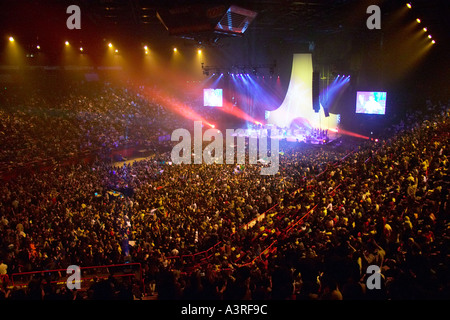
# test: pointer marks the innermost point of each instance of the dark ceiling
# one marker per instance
(288, 20)
(280, 17)
(280, 26)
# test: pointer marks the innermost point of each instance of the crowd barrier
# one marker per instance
(197, 259)
(192, 261)
(202, 255)
(264, 252)
(88, 275)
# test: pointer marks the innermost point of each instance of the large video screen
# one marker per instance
(212, 97)
(371, 102)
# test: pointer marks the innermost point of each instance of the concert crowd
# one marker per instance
(216, 231)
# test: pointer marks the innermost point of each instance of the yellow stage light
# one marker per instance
(418, 20)
(433, 42)
(199, 51)
(116, 51)
(11, 39)
(110, 45)
(409, 5)
(38, 47)
(145, 48)
(66, 43)
(425, 29)
(175, 50)
(81, 49)
(429, 36)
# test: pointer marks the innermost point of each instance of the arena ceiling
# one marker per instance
(281, 17)
(289, 20)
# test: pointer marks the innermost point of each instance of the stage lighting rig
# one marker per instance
(241, 69)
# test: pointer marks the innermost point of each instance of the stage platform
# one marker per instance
(309, 137)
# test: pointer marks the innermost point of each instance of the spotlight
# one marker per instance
(213, 126)
(433, 42)
(38, 47)
(409, 5)
(81, 49)
(66, 43)
(110, 45)
(199, 51)
(175, 50)
(429, 36)
(418, 20)
(425, 29)
(116, 51)
(145, 48)
(11, 39)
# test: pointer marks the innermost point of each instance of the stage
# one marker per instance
(313, 136)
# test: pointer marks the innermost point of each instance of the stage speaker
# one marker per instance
(316, 91)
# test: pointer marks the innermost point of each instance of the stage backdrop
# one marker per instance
(297, 104)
